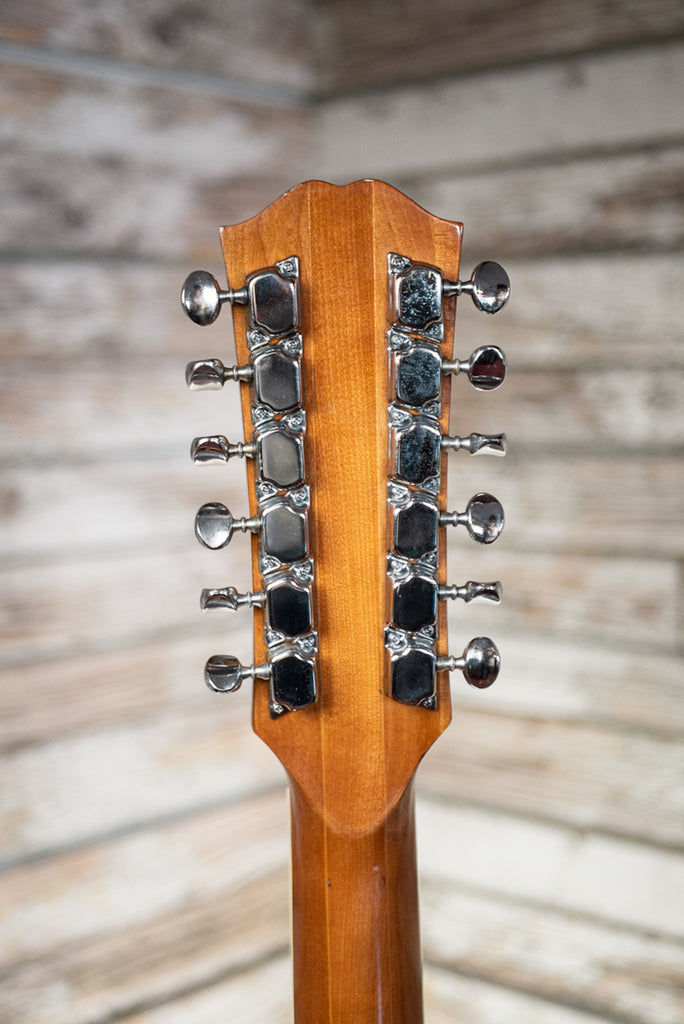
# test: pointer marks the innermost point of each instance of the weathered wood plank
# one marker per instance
(118, 504)
(114, 162)
(632, 885)
(452, 998)
(616, 600)
(115, 319)
(581, 681)
(43, 701)
(260, 42)
(76, 789)
(380, 43)
(582, 775)
(607, 100)
(101, 603)
(577, 962)
(616, 203)
(191, 945)
(93, 893)
(109, 601)
(78, 410)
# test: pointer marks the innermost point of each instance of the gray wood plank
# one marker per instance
(577, 962)
(254, 41)
(110, 166)
(636, 886)
(607, 100)
(587, 776)
(380, 43)
(597, 204)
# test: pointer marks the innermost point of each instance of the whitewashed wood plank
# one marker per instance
(249, 40)
(76, 789)
(600, 203)
(128, 598)
(116, 599)
(380, 42)
(110, 165)
(586, 776)
(103, 889)
(562, 958)
(582, 681)
(42, 701)
(450, 998)
(617, 600)
(190, 947)
(263, 994)
(87, 409)
(127, 503)
(630, 884)
(580, 311)
(605, 100)
(124, 312)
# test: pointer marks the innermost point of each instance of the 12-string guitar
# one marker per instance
(343, 302)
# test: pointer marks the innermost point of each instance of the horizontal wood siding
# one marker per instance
(143, 828)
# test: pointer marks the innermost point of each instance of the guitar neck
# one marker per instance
(355, 932)
(343, 331)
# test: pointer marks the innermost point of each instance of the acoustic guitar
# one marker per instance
(343, 301)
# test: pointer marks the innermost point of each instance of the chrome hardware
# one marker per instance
(483, 518)
(215, 525)
(414, 600)
(472, 591)
(277, 378)
(202, 298)
(476, 444)
(480, 662)
(486, 367)
(489, 287)
(229, 599)
(211, 374)
(217, 449)
(286, 602)
(291, 676)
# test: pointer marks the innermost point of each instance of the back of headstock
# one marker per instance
(343, 317)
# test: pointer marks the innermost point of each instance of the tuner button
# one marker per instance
(211, 374)
(476, 444)
(201, 297)
(489, 287)
(481, 662)
(483, 518)
(486, 367)
(214, 525)
(224, 673)
(472, 591)
(217, 449)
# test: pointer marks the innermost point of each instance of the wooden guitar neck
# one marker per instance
(346, 312)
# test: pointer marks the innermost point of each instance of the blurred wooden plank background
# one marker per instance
(144, 829)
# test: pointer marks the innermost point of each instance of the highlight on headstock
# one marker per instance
(314, 383)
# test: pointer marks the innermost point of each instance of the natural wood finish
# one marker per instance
(351, 757)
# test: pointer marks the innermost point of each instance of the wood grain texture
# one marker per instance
(350, 757)
(383, 43)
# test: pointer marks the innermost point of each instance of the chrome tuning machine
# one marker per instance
(414, 667)
(281, 525)
(489, 287)
(291, 677)
(285, 599)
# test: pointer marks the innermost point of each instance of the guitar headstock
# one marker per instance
(343, 306)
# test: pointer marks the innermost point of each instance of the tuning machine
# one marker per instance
(272, 295)
(290, 673)
(281, 525)
(285, 599)
(414, 667)
(415, 596)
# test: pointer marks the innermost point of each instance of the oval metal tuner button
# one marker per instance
(491, 287)
(481, 662)
(214, 525)
(201, 297)
(487, 368)
(485, 518)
